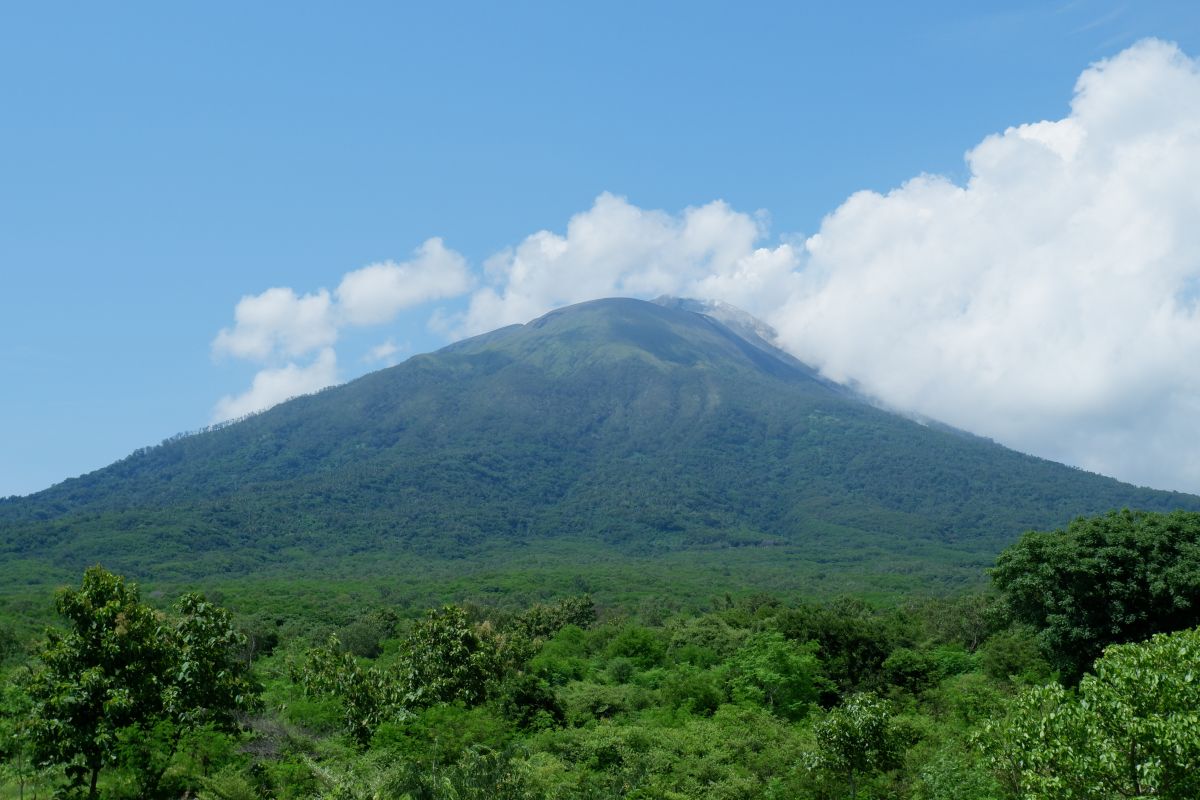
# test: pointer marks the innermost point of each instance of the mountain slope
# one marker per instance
(610, 430)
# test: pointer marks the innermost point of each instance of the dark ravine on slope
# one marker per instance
(612, 429)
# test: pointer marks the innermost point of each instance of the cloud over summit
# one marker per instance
(617, 249)
(1049, 301)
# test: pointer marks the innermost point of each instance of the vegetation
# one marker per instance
(1132, 729)
(757, 696)
(664, 561)
(122, 683)
(613, 433)
(1115, 578)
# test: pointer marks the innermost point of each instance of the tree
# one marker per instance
(369, 696)
(206, 685)
(15, 705)
(444, 660)
(782, 675)
(1132, 729)
(1013, 654)
(1143, 717)
(853, 640)
(123, 683)
(1032, 750)
(856, 740)
(447, 659)
(541, 622)
(1119, 577)
(10, 642)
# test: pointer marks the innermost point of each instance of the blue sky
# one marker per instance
(159, 163)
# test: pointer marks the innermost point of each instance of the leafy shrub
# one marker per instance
(640, 645)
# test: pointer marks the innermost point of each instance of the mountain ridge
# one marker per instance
(611, 429)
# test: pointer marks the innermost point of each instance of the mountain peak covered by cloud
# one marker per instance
(1045, 302)
(1048, 301)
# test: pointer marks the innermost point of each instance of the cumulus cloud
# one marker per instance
(376, 293)
(277, 326)
(1050, 301)
(384, 352)
(617, 249)
(272, 386)
(278, 321)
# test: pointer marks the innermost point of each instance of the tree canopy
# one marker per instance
(124, 682)
(1118, 577)
(1132, 730)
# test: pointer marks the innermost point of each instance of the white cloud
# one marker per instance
(272, 386)
(279, 325)
(618, 249)
(376, 293)
(1050, 302)
(384, 352)
(278, 321)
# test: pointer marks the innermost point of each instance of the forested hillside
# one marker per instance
(607, 440)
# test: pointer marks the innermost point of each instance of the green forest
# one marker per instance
(615, 431)
(1074, 674)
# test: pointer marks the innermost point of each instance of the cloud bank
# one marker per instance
(618, 249)
(376, 293)
(279, 328)
(274, 385)
(278, 321)
(1050, 301)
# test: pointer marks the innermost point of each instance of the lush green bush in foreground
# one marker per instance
(755, 697)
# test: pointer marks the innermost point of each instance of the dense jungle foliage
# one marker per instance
(1076, 675)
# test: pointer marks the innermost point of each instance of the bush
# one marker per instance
(640, 645)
